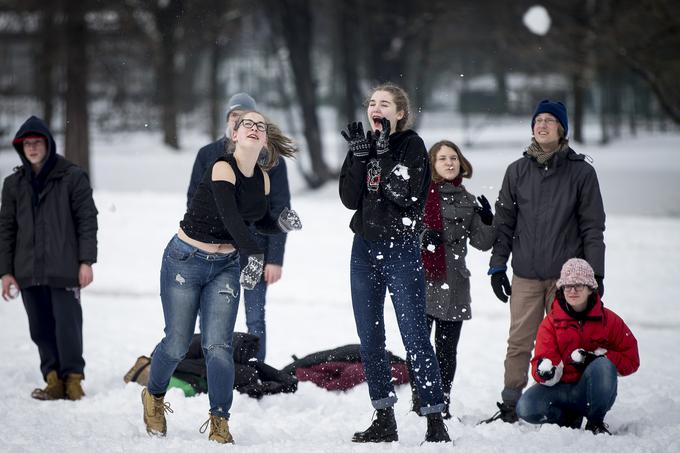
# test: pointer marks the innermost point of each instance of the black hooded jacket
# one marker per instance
(388, 193)
(48, 221)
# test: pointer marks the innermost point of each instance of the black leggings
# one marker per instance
(446, 336)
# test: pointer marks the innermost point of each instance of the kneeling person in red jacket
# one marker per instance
(581, 346)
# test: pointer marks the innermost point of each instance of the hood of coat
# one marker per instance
(397, 139)
(36, 126)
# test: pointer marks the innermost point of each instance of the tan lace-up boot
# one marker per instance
(154, 413)
(74, 389)
(54, 389)
(219, 430)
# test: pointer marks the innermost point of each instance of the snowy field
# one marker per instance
(139, 192)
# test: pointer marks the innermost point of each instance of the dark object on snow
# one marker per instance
(340, 368)
(383, 428)
(253, 378)
(506, 412)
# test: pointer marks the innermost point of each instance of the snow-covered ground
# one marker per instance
(140, 190)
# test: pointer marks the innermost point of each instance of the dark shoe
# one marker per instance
(74, 388)
(597, 427)
(436, 429)
(54, 390)
(506, 412)
(383, 428)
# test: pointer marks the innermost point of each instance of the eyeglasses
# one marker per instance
(546, 121)
(33, 143)
(577, 288)
(248, 124)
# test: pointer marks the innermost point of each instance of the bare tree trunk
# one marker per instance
(350, 98)
(77, 141)
(46, 62)
(167, 18)
(217, 120)
(295, 25)
(578, 86)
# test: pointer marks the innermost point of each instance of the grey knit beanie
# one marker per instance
(240, 101)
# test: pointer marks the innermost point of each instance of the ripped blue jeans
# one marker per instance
(194, 282)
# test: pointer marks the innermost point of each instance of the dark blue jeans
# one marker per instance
(395, 265)
(591, 397)
(193, 282)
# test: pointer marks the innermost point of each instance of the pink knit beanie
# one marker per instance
(577, 272)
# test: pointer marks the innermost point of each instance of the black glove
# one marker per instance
(545, 374)
(600, 285)
(252, 272)
(581, 358)
(430, 237)
(359, 144)
(485, 211)
(501, 285)
(382, 138)
(289, 220)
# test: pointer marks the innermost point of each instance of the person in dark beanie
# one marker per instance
(48, 243)
(581, 346)
(274, 245)
(549, 209)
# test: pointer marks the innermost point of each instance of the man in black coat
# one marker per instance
(274, 244)
(549, 210)
(48, 243)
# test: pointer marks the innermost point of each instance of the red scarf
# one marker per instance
(435, 262)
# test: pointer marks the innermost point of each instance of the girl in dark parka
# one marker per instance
(384, 179)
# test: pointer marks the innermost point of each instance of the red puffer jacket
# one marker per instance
(559, 334)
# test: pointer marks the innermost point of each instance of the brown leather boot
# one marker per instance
(219, 430)
(154, 413)
(54, 389)
(139, 372)
(74, 389)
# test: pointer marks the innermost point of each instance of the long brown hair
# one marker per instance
(400, 99)
(277, 145)
(465, 165)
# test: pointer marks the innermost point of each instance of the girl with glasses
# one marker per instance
(384, 179)
(581, 347)
(200, 271)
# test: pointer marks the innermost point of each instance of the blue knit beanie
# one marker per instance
(557, 109)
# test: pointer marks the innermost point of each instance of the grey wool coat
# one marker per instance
(449, 300)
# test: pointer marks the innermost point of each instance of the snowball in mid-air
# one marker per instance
(537, 20)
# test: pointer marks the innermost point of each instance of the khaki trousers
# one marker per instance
(530, 300)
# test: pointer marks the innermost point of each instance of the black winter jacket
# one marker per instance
(546, 214)
(43, 239)
(389, 193)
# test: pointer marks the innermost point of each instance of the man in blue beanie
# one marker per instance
(274, 244)
(549, 209)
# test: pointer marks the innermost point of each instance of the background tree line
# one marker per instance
(164, 65)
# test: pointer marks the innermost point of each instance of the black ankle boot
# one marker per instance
(506, 412)
(383, 428)
(597, 427)
(436, 429)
